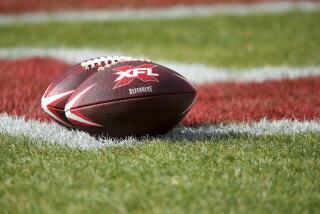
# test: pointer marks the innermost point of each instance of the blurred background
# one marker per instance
(223, 33)
(14, 6)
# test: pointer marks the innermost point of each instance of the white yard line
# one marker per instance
(166, 13)
(196, 73)
(54, 134)
(69, 55)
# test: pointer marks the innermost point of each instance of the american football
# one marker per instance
(55, 97)
(132, 97)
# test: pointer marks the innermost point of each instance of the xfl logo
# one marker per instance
(128, 73)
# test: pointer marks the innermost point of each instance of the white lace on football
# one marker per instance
(104, 61)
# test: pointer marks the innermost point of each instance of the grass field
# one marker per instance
(260, 174)
(248, 41)
(235, 174)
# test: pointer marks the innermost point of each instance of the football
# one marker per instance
(132, 97)
(55, 97)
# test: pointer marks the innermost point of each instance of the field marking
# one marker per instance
(196, 73)
(44, 132)
(165, 13)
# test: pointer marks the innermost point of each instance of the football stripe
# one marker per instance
(46, 101)
(73, 115)
(73, 101)
(76, 118)
(55, 115)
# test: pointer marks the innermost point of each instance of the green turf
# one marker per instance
(261, 174)
(229, 41)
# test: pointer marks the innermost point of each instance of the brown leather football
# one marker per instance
(133, 97)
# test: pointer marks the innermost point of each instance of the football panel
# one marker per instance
(139, 116)
(59, 116)
(52, 90)
(69, 81)
(104, 85)
(59, 91)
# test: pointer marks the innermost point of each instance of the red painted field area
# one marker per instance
(19, 6)
(22, 83)
(230, 102)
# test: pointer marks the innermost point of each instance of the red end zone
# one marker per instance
(237, 102)
(23, 82)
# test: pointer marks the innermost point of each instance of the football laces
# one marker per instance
(102, 62)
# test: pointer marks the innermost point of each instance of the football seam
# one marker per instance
(54, 108)
(91, 63)
(139, 98)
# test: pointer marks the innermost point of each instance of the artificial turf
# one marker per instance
(240, 174)
(230, 41)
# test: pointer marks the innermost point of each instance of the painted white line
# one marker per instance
(166, 13)
(51, 133)
(199, 73)
(69, 55)
(196, 73)
(261, 128)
